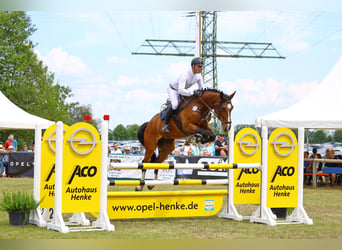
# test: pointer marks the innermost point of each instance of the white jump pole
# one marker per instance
(264, 214)
(57, 221)
(36, 218)
(299, 214)
(230, 211)
(103, 219)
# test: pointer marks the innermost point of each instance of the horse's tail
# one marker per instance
(141, 132)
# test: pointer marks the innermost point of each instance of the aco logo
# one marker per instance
(249, 147)
(248, 171)
(283, 171)
(283, 144)
(82, 141)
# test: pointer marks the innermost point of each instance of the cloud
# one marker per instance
(267, 93)
(298, 46)
(99, 28)
(91, 80)
(176, 68)
(299, 91)
(125, 81)
(62, 63)
(144, 95)
(118, 60)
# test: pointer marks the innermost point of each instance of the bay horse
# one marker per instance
(192, 119)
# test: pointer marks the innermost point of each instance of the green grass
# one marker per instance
(323, 205)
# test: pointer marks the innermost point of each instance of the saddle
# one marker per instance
(167, 105)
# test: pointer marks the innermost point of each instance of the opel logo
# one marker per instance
(50, 139)
(283, 144)
(249, 144)
(82, 141)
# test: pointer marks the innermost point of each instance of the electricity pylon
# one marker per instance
(209, 48)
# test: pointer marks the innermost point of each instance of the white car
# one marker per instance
(338, 150)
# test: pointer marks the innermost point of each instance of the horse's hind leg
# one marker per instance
(166, 146)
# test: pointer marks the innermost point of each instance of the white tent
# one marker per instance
(13, 117)
(320, 109)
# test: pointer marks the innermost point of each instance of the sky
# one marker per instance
(91, 53)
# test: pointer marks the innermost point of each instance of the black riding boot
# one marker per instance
(168, 115)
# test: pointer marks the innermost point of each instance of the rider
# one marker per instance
(180, 87)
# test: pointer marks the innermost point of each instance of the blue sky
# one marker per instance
(91, 53)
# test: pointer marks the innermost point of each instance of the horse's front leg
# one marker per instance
(150, 187)
(211, 136)
(206, 134)
(141, 187)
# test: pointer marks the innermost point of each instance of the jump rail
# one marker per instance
(118, 166)
(166, 182)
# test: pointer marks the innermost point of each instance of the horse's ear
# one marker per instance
(232, 95)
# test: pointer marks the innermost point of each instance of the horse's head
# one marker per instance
(223, 110)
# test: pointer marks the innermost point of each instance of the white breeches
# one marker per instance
(173, 94)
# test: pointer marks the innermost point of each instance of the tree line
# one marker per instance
(27, 82)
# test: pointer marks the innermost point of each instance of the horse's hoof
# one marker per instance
(138, 188)
(150, 187)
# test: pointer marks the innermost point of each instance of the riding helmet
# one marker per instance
(197, 61)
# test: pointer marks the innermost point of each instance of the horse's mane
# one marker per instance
(223, 95)
(212, 90)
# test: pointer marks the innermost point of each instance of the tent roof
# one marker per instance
(13, 117)
(320, 109)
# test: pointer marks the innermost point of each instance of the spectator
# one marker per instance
(190, 152)
(25, 148)
(320, 170)
(2, 158)
(307, 165)
(195, 149)
(32, 147)
(220, 144)
(141, 149)
(186, 147)
(127, 150)
(307, 168)
(109, 149)
(208, 148)
(315, 155)
(331, 155)
(9, 142)
(9, 149)
(15, 144)
(205, 152)
(176, 152)
(223, 153)
(116, 149)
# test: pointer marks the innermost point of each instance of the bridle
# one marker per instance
(223, 98)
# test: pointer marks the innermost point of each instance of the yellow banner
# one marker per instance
(247, 149)
(47, 177)
(81, 169)
(162, 204)
(282, 180)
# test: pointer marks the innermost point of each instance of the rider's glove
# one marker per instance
(197, 93)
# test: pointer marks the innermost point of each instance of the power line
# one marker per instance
(303, 27)
(118, 31)
(149, 14)
(269, 26)
(327, 37)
